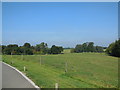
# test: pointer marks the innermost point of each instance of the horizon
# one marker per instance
(47, 44)
(61, 24)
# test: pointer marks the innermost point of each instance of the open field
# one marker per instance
(84, 70)
(66, 51)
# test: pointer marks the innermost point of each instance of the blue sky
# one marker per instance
(63, 24)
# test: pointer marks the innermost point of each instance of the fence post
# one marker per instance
(22, 56)
(24, 68)
(11, 54)
(66, 67)
(40, 60)
(56, 86)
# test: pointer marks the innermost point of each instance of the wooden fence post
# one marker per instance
(56, 86)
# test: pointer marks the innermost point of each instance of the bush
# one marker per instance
(114, 49)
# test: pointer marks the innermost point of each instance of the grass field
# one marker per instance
(84, 70)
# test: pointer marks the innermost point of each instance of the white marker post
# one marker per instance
(66, 67)
(24, 68)
(22, 56)
(11, 54)
(56, 86)
(40, 60)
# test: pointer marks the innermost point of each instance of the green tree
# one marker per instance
(42, 48)
(114, 49)
(109, 50)
(84, 46)
(27, 45)
(11, 49)
(7, 51)
(26, 49)
(56, 49)
(78, 48)
(60, 49)
(90, 47)
(3, 48)
(99, 49)
(87, 47)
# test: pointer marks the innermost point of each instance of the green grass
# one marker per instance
(85, 70)
(66, 50)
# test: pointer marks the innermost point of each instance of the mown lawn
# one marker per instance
(84, 70)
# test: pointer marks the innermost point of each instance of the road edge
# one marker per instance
(29, 80)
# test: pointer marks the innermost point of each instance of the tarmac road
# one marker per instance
(12, 79)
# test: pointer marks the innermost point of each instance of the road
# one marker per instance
(12, 79)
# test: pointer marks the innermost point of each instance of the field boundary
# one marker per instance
(29, 80)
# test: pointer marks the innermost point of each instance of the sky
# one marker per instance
(64, 24)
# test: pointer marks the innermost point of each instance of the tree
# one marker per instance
(3, 47)
(27, 45)
(84, 46)
(110, 49)
(42, 48)
(60, 49)
(28, 51)
(90, 47)
(56, 49)
(114, 49)
(49, 51)
(10, 49)
(7, 51)
(87, 47)
(99, 49)
(78, 48)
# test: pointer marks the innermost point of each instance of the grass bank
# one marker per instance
(84, 70)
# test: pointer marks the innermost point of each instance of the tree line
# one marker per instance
(87, 47)
(27, 49)
(13, 49)
(114, 49)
